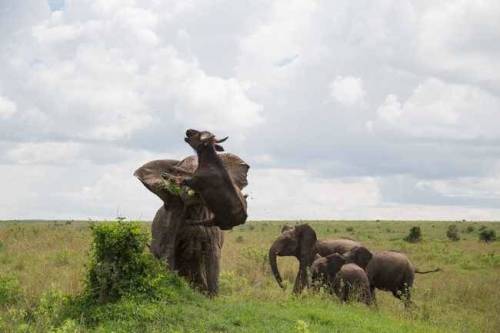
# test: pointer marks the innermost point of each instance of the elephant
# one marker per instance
(193, 251)
(347, 280)
(387, 270)
(301, 242)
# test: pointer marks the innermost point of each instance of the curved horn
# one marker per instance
(206, 136)
(222, 140)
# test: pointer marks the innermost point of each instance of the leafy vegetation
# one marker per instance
(487, 235)
(48, 293)
(415, 235)
(10, 292)
(452, 233)
(118, 264)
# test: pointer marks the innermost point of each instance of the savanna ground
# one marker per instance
(42, 263)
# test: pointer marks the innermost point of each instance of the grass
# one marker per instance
(43, 262)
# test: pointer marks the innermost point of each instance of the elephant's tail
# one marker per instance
(425, 272)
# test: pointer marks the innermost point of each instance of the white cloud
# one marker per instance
(278, 43)
(102, 71)
(461, 38)
(292, 194)
(215, 103)
(438, 110)
(55, 30)
(97, 87)
(7, 107)
(42, 153)
(348, 90)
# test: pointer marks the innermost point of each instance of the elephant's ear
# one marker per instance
(190, 163)
(307, 242)
(334, 263)
(237, 169)
(317, 256)
(360, 255)
(150, 175)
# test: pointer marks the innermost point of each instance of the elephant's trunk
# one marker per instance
(273, 251)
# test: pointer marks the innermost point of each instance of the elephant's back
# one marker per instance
(330, 246)
(388, 270)
(355, 274)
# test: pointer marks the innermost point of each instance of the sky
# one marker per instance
(386, 109)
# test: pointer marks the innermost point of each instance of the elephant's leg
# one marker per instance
(373, 295)
(367, 295)
(197, 278)
(212, 267)
(402, 293)
(406, 296)
(201, 276)
(300, 281)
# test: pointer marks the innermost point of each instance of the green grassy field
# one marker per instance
(41, 263)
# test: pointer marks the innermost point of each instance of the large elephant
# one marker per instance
(387, 270)
(301, 242)
(193, 251)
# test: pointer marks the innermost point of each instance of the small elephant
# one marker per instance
(347, 280)
(301, 242)
(387, 270)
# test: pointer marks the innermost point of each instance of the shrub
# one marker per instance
(349, 229)
(469, 229)
(452, 233)
(414, 236)
(239, 239)
(10, 291)
(487, 235)
(118, 264)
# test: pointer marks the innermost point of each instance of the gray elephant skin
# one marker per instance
(301, 242)
(387, 270)
(193, 251)
(347, 280)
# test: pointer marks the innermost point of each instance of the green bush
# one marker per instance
(10, 290)
(487, 235)
(118, 264)
(349, 229)
(452, 233)
(414, 236)
(469, 229)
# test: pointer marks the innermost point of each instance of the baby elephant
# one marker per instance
(347, 281)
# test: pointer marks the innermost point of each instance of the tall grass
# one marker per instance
(464, 297)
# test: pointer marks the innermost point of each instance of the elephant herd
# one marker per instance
(193, 249)
(344, 267)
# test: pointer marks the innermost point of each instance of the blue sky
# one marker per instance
(367, 109)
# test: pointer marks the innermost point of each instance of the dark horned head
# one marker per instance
(199, 139)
